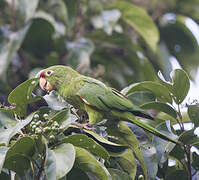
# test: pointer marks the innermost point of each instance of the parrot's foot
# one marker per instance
(85, 126)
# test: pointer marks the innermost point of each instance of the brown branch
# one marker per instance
(13, 15)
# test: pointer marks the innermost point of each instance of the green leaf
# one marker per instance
(8, 47)
(7, 120)
(65, 157)
(163, 147)
(4, 176)
(7, 134)
(3, 151)
(59, 28)
(76, 173)
(178, 174)
(188, 137)
(87, 162)
(83, 141)
(193, 112)
(141, 97)
(26, 9)
(55, 101)
(17, 163)
(181, 85)
(101, 139)
(140, 20)
(24, 146)
(159, 106)
(126, 137)
(62, 117)
(195, 161)
(50, 165)
(118, 175)
(160, 91)
(128, 163)
(21, 96)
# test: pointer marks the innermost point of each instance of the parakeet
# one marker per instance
(94, 97)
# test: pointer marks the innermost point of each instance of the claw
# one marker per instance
(86, 126)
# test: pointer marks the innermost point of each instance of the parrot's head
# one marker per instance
(53, 77)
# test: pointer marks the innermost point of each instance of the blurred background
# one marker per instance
(117, 41)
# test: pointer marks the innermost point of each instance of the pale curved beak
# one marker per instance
(45, 85)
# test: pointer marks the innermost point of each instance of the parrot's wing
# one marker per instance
(96, 94)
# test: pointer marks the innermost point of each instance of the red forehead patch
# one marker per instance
(42, 75)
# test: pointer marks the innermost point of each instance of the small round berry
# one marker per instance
(34, 126)
(38, 123)
(36, 116)
(46, 129)
(140, 177)
(45, 116)
(52, 137)
(38, 131)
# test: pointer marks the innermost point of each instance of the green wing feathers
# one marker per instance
(106, 99)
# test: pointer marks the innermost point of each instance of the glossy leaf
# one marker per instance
(77, 173)
(62, 117)
(65, 157)
(181, 85)
(193, 112)
(159, 106)
(141, 97)
(161, 92)
(24, 146)
(21, 96)
(163, 147)
(9, 46)
(4, 176)
(3, 151)
(7, 134)
(128, 163)
(178, 174)
(17, 163)
(140, 20)
(83, 141)
(101, 139)
(188, 137)
(50, 165)
(55, 101)
(126, 137)
(118, 175)
(26, 9)
(59, 28)
(87, 162)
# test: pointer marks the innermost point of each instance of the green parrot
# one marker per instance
(94, 97)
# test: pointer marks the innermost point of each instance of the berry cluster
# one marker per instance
(46, 127)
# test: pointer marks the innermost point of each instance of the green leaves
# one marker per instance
(9, 44)
(59, 161)
(139, 19)
(87, 143)
(193, 112)
(21, 96)
(87, 162)
(65, 158)
(157, 89)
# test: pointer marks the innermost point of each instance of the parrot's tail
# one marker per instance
(128, 116)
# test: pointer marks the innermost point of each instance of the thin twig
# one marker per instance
(43, 157)
(13, 15)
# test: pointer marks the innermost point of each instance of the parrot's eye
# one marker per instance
(48, 73)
